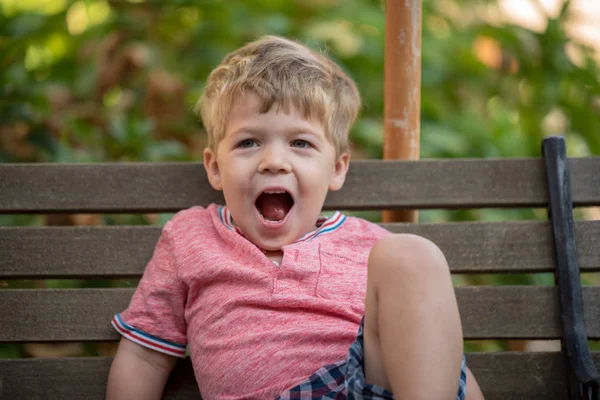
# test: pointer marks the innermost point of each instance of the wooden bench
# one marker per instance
(488, 312)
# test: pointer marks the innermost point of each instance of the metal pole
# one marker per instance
(402, 93)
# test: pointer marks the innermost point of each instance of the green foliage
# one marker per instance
(92, 80)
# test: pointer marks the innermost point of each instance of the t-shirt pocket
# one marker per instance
(343, 274)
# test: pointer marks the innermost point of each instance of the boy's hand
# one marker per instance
(138, 372)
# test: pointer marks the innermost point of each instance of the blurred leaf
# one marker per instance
(11, 350)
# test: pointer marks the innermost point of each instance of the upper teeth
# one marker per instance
(274, 191)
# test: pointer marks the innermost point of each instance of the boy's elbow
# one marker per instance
(138, 372)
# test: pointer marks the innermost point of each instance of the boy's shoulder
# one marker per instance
(355, 226)
(356, 234)
(353, 241)
(192, 220)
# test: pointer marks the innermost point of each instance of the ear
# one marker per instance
(338, 175)
(212, 169)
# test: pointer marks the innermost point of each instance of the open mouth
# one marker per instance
(274, 205)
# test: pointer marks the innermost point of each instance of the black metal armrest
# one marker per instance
(583, 378)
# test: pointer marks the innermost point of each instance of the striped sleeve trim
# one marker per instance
(147, 340)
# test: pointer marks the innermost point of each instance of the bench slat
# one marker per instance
(166, 187)
(502, 376)
(105, 252)
(63, 315)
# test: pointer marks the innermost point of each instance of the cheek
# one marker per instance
(237, 178)
(235, 181)
(316, 180)
(317, 172)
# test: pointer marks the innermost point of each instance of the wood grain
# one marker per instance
(502, 376)
(104, 252)
(167, 187)
(72, 315)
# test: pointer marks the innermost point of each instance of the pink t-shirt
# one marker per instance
(253, 328)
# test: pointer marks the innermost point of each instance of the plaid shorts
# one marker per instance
(346, 380)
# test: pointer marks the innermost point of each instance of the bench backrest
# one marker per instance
(107, 252)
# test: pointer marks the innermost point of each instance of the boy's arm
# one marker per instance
(138, 372)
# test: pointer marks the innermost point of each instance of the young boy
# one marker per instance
(268, 296)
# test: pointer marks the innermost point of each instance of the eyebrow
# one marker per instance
(291, 131)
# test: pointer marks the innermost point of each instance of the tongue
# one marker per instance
(272, 206)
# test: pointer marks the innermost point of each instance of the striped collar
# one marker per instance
(324, 224)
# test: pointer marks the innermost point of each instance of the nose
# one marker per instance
(274, 160)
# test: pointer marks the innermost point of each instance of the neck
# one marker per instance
(275, 255)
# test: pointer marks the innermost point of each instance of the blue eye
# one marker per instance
(301, 144)
(247, 143)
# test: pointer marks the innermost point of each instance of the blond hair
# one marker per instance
(281, 73)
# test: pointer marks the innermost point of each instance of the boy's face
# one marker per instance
(274, 169)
